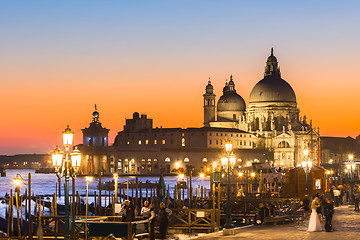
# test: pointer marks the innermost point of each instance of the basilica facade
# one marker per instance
(269, 128)
(272, 117)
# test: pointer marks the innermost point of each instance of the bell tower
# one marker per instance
(209, 104)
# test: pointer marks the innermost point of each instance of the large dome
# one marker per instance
(231, 101)
(272, 89)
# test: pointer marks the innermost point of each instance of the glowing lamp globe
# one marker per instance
(304, 164)
(309, 164)
(76, 159)
(202, 175)
(306, 152)
(68, 137)
(116, 176)
(232, 160)
(89, 179)
(57, 156)
(17, 180)
(252, 174)
(224, 161)
(228, 147)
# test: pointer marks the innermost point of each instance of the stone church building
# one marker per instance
(269, 129)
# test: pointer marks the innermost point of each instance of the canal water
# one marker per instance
(45, 184)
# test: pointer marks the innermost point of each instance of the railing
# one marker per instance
(192, 219)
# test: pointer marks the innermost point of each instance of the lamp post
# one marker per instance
(228, 161)
(307, 165)
(17, 181)
(66, 168)
(88, 181)
(116, 178)
(351, 168)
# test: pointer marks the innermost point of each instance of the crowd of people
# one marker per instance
(149, 212)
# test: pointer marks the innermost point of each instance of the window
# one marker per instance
(127, 142)
(244, 143)
(163, 141)
(283, 144)
(221, 134)
(183, 142)
(234, 116)
(155, 141)
(139, 142)
(231, 135)
(166, 159)
(209, 134)
(217, 142)
(186, 159)
(204, 160)
(146, 142)
(217, 134)
(209, 141)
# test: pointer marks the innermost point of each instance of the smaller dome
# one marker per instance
(136, 115)
(231, 101)
(272, 58)
(209, 88)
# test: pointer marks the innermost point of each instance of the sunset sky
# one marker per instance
(59, 58)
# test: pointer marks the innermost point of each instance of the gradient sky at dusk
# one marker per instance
(59, 58)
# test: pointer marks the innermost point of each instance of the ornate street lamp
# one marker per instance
(307, 165)
(351, 168)
(228, 161)
(67, 167)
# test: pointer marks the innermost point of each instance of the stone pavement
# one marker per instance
(346, 224)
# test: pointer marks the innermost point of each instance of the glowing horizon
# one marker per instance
(58, 59)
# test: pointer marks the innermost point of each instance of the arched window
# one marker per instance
(186, 159)
(204, 160)
(283, 144)
(167, 159)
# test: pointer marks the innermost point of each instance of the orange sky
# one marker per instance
(156, 59)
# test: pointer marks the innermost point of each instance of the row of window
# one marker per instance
(231, 134)
(221, 142)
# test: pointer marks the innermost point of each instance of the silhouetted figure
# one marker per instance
(163, 221)
(328, 211)
(306, 204)
(356, 200)
(262, 212)
(128, 212)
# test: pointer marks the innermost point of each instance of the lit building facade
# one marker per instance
(272, 116)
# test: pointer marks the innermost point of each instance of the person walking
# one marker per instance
(328, 211)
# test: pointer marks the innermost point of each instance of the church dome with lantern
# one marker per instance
(272, 88)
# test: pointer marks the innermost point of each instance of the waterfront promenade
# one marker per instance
(346, 224)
